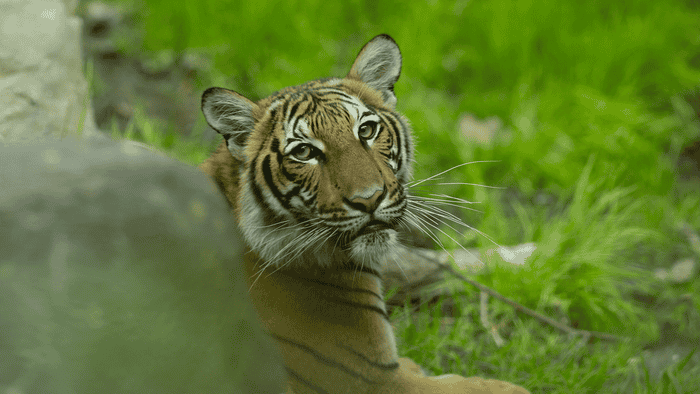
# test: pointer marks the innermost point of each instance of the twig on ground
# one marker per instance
(528, 311)
(484, 314)
(416, 270)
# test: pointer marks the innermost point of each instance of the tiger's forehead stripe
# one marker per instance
(355, 107)
(273, 106)
(299, 104)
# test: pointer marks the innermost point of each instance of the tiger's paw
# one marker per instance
(410, 366)
(458, 384)
(453, 384)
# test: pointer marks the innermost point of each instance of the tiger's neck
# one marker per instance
(332, 311)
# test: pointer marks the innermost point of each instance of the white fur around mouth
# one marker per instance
(373, 248)
(374, 226)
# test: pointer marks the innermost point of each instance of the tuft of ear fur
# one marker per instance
(231, 115)
(378, 65)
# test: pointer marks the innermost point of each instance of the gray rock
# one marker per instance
(119, 274)
(42, 88)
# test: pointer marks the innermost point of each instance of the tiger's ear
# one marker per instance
(378, 65)
(231, 115)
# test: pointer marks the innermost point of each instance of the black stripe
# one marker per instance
(275, 145)
(284, 109)
(292, 113)
(338, 220)
(359, 305)
(294, 128)
(254, 185)
(296, 136)
(385, 366)
(349, 289)
(350, 266)
(397, 134)
(321, 358)
(310, 201)
(267, 173)
(293, 110)
(290, 177)
(306, 185)
(392, 194)
(313, 105)
(320, 93)
(273, 118)
(407, 143)
(396, 202)
(305, 382)
(342, 93)
(347, 101)
(294, 192)
(327, 90)
(319, 122)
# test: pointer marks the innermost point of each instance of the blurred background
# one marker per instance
(589, 112)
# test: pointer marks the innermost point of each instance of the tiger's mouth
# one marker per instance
(373, 227)
(373, 243)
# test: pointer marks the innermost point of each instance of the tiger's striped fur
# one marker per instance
(316, 175)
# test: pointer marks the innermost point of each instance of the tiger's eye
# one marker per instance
(303, 152)
(366, 130)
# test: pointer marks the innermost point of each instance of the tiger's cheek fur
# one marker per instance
(302, 182)
(268, 186)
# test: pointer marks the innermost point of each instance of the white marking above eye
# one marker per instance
(361, 114)
(292, 141)
(355, 108)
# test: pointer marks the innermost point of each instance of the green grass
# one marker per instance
(594, 99)
(158, 134)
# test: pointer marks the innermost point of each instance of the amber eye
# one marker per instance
(366, 130)
(304, 152)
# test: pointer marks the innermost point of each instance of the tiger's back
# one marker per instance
(316, 175)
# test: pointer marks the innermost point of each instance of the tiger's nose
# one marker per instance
(367, 200)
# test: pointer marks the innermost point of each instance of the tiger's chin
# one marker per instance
(372, 249)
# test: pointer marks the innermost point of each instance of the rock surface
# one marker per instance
(42, 88)
(118, 273)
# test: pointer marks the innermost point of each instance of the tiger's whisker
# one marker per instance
(446, 203)
(427, 208)
(467, 184)
(454, 199)
(419, 224)
(436, 226)
(416, 183)
(444, 214)
(302, 244)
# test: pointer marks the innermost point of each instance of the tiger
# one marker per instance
(316, 176)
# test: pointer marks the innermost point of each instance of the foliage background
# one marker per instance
(598, 99)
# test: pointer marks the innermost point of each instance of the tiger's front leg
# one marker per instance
(410, 366)
(454, 383)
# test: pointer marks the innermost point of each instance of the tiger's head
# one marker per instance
(322, 166)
